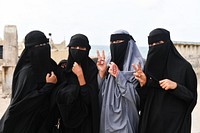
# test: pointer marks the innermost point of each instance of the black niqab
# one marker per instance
(158, 54)
(77, 55)
(37, 52)
(40, 59)
(118, 50)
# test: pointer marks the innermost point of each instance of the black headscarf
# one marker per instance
(118, 50)
(76, 55)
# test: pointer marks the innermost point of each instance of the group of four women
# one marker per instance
(120, 93)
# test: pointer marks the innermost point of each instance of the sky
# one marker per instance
(98, 19)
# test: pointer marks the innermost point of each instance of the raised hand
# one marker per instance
(113, 69)
(51, 78)
(101, 64)
(77, 69)
(139, 75)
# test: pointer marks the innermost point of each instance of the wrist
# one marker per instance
(81, 79)
(101, 74)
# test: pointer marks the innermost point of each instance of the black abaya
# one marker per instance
(29, 102)
(168, 111)
(78, 105)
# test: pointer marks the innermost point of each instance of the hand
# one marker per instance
(51, 78)
(139, 75)
(113, 69)
(101, 64)
(76, 69)
(167, 84)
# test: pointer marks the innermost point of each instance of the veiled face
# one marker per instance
(78, 53)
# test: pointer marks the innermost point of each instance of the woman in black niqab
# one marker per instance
(30, 90)
(77, 102)
(167, 107)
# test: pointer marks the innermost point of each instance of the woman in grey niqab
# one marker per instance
(119, 100)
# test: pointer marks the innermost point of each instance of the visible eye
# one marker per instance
(79, 48)
(117, 41)
(156, 43)
(40, 45)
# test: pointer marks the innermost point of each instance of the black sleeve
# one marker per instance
(84, 93)
(187, 91)
(142, 92)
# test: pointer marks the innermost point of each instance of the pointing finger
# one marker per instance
(103, 54)
(135, 68)
(98, 55)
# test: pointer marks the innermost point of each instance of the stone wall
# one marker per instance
(191, 52)
(10, 53)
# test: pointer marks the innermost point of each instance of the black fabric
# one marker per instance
(77, 106)
(158, 34)
(79, 40)
(40, 58)
(29, 103)
(62, 62)
(125, 37)
(38, 55)
(30, 96)
(78, 55)
(156, 62)
(118, 50)
(168, 111)
(34, 38)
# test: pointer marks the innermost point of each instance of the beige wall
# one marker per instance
(58, 55)
(191, 52)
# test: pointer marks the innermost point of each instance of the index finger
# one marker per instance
(103, 54)
(48, 75)
(98, 55)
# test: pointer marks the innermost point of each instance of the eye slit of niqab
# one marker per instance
(77, 47)
(117, 41)
(40, 45)
(156, 43)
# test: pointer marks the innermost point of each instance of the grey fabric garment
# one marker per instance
(118, 96)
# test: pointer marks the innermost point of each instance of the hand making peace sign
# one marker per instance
(101, 64)
(139, 75)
